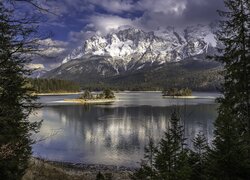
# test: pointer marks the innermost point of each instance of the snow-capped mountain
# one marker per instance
(163, 45)
(129, 50)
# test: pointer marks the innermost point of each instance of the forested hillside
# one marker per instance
(198, 75)
(54, 85)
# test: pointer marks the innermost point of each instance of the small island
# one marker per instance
(174, 92)
(107, 96)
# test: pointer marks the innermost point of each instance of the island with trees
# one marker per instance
(174, 92)
(107, 96)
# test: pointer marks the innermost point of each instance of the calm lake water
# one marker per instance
(116, 133)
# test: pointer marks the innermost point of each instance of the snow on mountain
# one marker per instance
(132, 49)
(75, 54)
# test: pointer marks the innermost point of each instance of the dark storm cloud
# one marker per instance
(77, 20)
(74, 15)
(203, 12)
(190, 12)
(105, 15)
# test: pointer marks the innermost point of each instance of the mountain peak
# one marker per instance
(135, 46)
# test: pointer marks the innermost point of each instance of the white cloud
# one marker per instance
(103, 16)
(155, 13)
(50, 42)
(35, 66)
(107, 23)
(79, 37)
(51, 47)
(51, 54)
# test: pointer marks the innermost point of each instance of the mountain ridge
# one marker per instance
(127, 51)
(160, 46)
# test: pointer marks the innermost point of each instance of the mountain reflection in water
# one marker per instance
(113, 135)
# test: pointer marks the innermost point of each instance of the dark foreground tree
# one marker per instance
(100, 176)
(147, 169)
(169, 160)
(198, 157)
(230, 156)
(16, 101)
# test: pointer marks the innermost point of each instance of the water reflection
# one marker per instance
(112, 135)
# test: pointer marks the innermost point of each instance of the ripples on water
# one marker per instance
(116, 133)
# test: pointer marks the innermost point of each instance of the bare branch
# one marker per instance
(41, 9)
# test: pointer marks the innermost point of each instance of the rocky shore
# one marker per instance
(40, 169)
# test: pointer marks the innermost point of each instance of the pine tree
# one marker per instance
(100, 176)
(16, 101)
(86, 95)
(230, 157)
(198, 157)
(170, 158)
(108, 94)
(54, 85)
(147, 170)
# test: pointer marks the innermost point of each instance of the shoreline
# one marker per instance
(83, 166)
(40, 169)
(92, 101)
(188, 97)
(56, 94)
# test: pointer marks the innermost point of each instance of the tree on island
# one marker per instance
(108, 94)
(177, 92)
(86, 95)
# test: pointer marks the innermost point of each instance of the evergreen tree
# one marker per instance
(170, 157)
(198, 157)
(86, 95)
(100, 176)
(230, 157)
(147, 170)
(16, 101)
(53, 85)
(108, 94)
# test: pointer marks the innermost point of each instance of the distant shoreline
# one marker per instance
(91, 101)
(188, 97)
(56, 94)
(121, 91)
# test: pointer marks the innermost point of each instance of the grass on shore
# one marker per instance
(43, 170)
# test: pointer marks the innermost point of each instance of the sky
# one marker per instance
(72, 21)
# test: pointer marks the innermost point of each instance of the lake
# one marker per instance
(116, 133)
